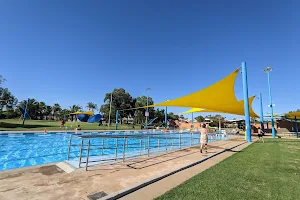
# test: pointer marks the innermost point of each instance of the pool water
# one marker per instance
(29, 149)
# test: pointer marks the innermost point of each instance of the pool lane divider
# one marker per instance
(129, 190)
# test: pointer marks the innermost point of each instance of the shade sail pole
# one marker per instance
(117, 119)
(192, 120)
(166, 118)
(24, 114)
(246, 102)
(296, 126)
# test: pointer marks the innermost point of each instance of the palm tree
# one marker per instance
(32, 107)
(2, 80)
(91, 106)
(75, 108)
(56, 109)
(48, 111)
(64, 113)
(42, 109)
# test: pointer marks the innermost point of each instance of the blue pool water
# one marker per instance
(21, 150)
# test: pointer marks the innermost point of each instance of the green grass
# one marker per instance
(39, 125)
(260, 171)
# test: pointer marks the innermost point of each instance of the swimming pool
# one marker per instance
(29, 149)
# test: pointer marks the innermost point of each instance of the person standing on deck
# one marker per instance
(260, 135)
(203, 138)
(237, 132)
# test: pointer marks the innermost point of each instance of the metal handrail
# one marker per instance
(146, 143)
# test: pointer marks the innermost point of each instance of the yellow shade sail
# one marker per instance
(239, 111)
(218, 97)
(85, 113)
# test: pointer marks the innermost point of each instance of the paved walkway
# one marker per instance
(157, 189)
(50, 182)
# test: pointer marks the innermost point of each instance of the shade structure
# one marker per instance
(219, 97)
(85, 113)
(239, 111)
(83, 117)
(95, 118)
(292, 115)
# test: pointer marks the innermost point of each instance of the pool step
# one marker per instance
(66, 167)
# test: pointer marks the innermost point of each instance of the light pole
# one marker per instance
(110, 108)
(268, 70)
(262, 125)
(147, 110)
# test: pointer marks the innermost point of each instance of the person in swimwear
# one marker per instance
(203, 138)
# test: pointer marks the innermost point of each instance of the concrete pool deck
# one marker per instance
(51, 182)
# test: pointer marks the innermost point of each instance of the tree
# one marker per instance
(215, 120)
(173, 116)
(121, 100)
(160, 115)
(75, 108)
(33, 107)
(2, 80)
(48, 112)
(200, 118)
(56, 109)
(91, 106)
(64, 113)
(8, 102)
(42, 110)
(140, 102)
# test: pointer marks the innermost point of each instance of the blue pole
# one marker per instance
(192, 120)
(147, 112)
(296, 125)
(261, 115)
(271, 106)
(25, 112)
(246, 103)
(166, 117)
(117, 118)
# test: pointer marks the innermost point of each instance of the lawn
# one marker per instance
(260, 171)
(39, 125)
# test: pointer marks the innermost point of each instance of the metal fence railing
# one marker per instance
(97, 149)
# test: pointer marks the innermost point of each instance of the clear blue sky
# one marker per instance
(73, 52)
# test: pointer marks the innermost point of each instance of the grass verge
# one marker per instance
(260, 171)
